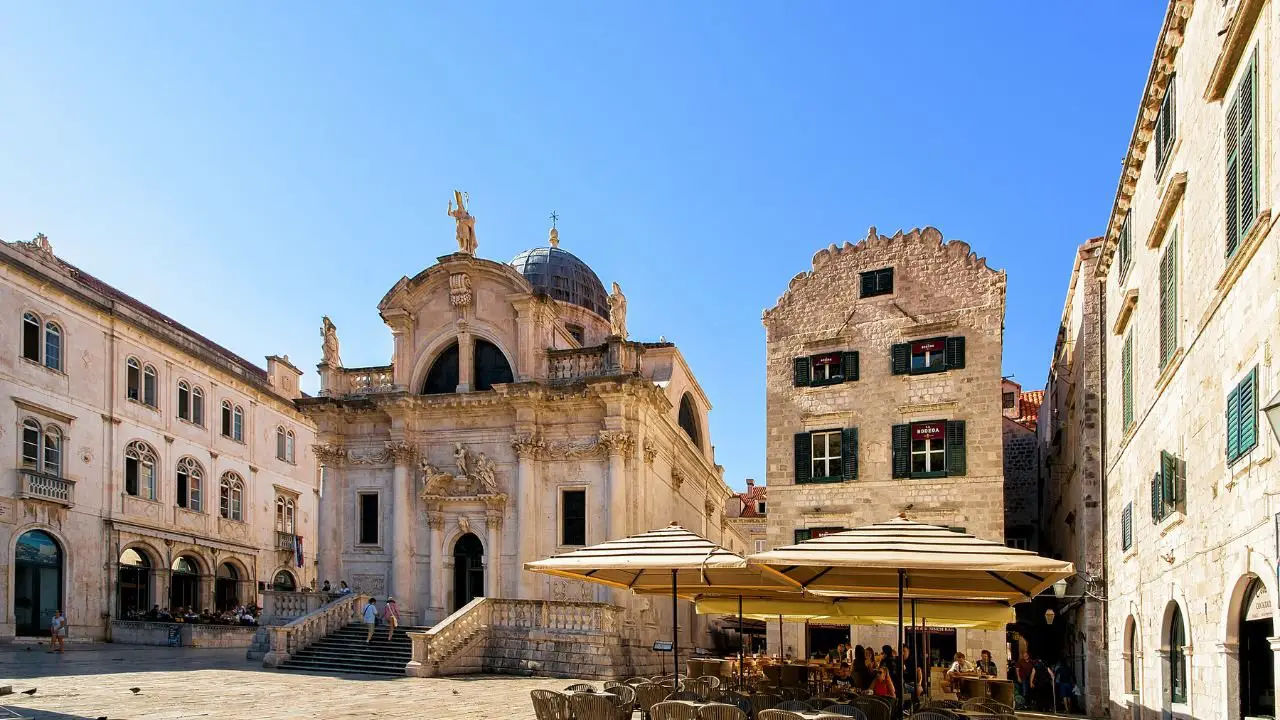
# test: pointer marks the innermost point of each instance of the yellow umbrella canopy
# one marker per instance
(935, 562)
(650, 562)
(865, 611)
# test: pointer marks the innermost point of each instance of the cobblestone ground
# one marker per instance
(189, 683)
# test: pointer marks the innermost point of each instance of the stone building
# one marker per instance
(1023, 466)
(883, 394)
(150, 466)
(1070, 432)
(1190, 331)
(748, 513)
(514, 421)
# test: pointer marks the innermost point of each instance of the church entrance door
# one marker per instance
(468, 570)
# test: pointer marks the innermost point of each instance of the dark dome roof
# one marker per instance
(563, 276)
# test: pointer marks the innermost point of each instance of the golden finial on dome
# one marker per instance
(554, 236)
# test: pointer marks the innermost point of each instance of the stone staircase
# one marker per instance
(345, 651)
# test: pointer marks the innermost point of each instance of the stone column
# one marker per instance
(435, 521)
(619, 444)
(329, 542)
(466, 361)
(528, 448)
(401, 524)
(493, 551)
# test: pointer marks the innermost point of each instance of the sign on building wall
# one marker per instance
(1260, 606)
(928, 430)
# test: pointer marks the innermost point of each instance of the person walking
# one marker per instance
(370, 618)
(57, 631)
(391, 616)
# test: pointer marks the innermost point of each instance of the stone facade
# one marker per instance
(1071, 432)
(1022, 472)
(1190, 471)
(507, 395)
(938, 290)
(100, 417)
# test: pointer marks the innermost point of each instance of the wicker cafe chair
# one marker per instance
(873, 708)
(580, 687)
(738, 700)
(551, 705)
(793, 706)
(721, 711)
(588, 706)
(626, 695)
(686, 696)
(635, 681)
(650, 694)
(675, 710)
(764, 701)
(846, 710)
(930, 715)
(779, 715)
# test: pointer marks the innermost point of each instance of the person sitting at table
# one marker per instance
(986, 665)
(842, 676)
(958, 667)
(838, 654)
(912, 676)
(883, 684)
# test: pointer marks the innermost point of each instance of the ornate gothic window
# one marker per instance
(231, 497)
(190, 483)
(140, 470)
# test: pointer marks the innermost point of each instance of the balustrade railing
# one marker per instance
(280, 607)
(43, 486)
(613, 358)
(298, 635)
(370, 380)
(285, 540)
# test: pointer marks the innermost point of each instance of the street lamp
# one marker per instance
(1060, 589)
(1049, 615)
(1272, 411)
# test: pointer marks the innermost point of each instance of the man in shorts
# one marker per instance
(370, 618)
(57, 631)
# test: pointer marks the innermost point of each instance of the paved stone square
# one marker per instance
(94, 682)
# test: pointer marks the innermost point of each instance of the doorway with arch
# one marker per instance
(468, 570)
(37, 582)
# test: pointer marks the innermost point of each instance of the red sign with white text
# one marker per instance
(927, 430)
(927, 346)
(828, 359)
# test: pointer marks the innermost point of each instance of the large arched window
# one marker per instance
(443, 376)
(140, 470)
(689, 420)
(42, 447)
(491, 366)
(52, 346)
(41, 341)
(1177, 662)
(284, 444)
(190, 483)
(134, 580)
(184, 400)
(31, 337)
(231, 497)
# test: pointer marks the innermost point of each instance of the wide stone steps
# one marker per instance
(346, 651)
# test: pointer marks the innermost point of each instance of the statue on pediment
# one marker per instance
(618, 312)
(466, 225)
(329, 333)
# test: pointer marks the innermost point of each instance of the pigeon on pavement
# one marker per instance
(32, 691)
(135, 690)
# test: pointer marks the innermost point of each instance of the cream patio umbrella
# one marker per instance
(671, 559)
(913, 560)
(863, 611)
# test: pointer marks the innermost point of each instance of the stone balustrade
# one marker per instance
(287, 640)
(42, 486)
(615, 357)
(142, 632)
(361, 381)
(280, 607)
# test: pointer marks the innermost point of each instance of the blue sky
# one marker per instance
(246, 168)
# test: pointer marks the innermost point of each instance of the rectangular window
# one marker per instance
(826, 458)
(573, 517)
(1169, 301)
(825, 369)
(1125, 250)
(31, 337)
(1242, 162)
(1126, 527)
(759, 546)
(760, 507)
(576, 332)
(1126, 379)
(1018, 543)
(803, 534)
(928, 356)
(929, 449)
(369, 517)
(877, 282)
(1008, 400)
(1242, 417)
(1166, 129)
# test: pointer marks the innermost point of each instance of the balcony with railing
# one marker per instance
(362, 381)
(612, 358)
(42, 486)
(285, 541)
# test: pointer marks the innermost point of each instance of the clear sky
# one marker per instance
(248, 167)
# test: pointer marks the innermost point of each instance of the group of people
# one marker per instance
(1040, 685)
(389, 615)
(865, 670)
(239, 615)
(343, 589)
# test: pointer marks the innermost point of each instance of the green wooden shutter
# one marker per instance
(901, 451)
(955, 352)
(803, 534)
(1248, 410)
(901, 358)
(801, 374)
(1157, 503)
(849, 366)
(1168, 478)
(1169, 301)
(803, 457)
(868, 284)
(1126, 249)
(956, 457)
(849, 453)
(1233, 425)
(1126, 527)
(1248, 171)
(1231, 184)
(1126, 375)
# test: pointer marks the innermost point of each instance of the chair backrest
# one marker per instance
(685, 695)
(667, 683)
(588, 706)
(650, 694)
(626, 695)
(712, 680)
(794, 706)
(742, 702)
(872, 707)
(779, 715)
(721, 711)
(636, 681)
(551, 705)
(800, 693)
(697, 685)
(846, 710)
(672, 710)
(944, 704)
(928, 715)
(580, 687)
(764, 701)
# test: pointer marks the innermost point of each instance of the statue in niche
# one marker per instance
(329, 347)
(466, 224)
(462, 457)
(618, 312)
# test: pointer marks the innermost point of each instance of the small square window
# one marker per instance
(928, 355)
(1008, 401)
(877, 282)
(928, 448)
(827, 368)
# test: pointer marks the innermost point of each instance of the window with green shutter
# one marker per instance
(830, 368)
(1169, 300)
(1241, 182)
(1242, 417)
(824, 456)
(1167, 487)
(1126, 527)
(921, 357)
(934, 448)
(1125, 250)
(1166, 127)
(1126, 380)
(803, 534)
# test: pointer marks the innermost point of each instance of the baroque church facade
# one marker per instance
(515, 421)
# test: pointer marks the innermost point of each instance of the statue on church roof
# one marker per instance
(329, 332)
(618, 312)
(466, 230)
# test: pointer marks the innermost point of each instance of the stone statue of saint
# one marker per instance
(618, 312)
(460, 454)
(466, 225)
(484, 472)
(329, 332)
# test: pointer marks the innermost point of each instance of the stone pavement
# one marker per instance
(93, 682)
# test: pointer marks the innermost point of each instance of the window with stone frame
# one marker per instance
(1176, 662)
(877, 282)
(1009, 400)
(1167, 487)
(41, 341)
(369, 519)
(1241, 182)
(231, 497)
(1126, 383)
(921, 357)
(140, 470)
(197, 406)
(573, 517)
(1169, 300)
(133, 379)
(286, 507)
(1166, 129)
(1126, 527)
(184, 400)
(41, 447)
(934, 448)
(829, 368)
(190, 484)
(826, 455)
(149, 386)
(237, 424)
(1124, 250)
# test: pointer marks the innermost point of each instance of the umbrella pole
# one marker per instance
(741, 655)
(915, 641)
(675, 633)
(902, 581)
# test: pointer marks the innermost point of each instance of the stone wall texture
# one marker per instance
(940, 289)
(1022, 468)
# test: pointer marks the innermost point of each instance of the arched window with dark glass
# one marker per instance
(31, 443)
(689, 420)
(225, 587)
(1177, 669)
(133, 379)
(134, 580)
(491, 366)
(442, 378)
(237, 424)
(231, 496)
(37, 582)
(197, 406)
(52, 450)
(280, 442)
(226, 418)
(190, 480)
(149, 385)
(184, 584)
(52, 346)
(31, 337)
(140, 470)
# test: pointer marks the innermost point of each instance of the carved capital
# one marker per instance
(401, 452)
(493, 517)
(435, 520)
(528, 447)
(677, 478)
(650, 452)
(330, 455)
(617, 442)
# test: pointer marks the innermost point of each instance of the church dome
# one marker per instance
(563, 276)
